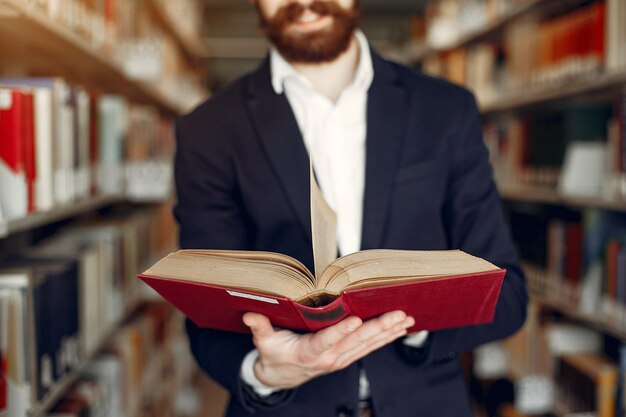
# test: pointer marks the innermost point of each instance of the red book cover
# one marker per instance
(10, 127)
(573, 253)
(597, 30)
(29, 151)
(612, 250)
(13, 185)
(3, 382)
(437, 303)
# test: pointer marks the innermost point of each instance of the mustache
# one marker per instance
(293, 11)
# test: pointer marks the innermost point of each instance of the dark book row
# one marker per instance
(62, 296)
(577, 150)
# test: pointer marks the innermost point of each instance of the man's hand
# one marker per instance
(287, 359)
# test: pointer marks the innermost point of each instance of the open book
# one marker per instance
(440, 289)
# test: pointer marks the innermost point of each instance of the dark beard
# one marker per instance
(321, 46)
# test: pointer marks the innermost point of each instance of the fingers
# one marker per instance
(371, 329)
(259, 325)
(374, 343)
(339, 346)
(327, 338)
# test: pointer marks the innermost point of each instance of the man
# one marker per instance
(399, 157)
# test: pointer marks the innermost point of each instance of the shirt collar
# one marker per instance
(281, 70)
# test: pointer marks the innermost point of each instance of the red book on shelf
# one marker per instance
(3, 382)
(13, 181)
(597, 21)
(29, 150)
(612, 250)
(215, 288)
(573, 253)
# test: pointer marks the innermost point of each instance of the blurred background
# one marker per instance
(89, 93)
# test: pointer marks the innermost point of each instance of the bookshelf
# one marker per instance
(33, 221)
(193, 48)
(466, 38)
(547, 73)
(31, 39)
(545, 195)
(568, 311)
(583, 85)
(37, 41)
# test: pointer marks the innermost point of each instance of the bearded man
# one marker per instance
(399, 157)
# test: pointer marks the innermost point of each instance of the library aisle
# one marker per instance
(89, 94)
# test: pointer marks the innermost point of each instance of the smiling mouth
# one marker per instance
(308, 17)
(311, 20)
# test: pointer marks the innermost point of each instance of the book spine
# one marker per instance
(316, 318)
(29, 148)
(620, 108)
(13, 190)
(3, 381)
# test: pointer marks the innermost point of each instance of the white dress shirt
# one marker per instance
(334, 135)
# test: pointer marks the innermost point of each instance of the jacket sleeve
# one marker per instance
(210, 215)
(475, 223)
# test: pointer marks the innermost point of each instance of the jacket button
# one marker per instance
(346, 410)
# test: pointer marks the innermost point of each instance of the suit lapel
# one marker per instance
(281, 141)
(386, 121)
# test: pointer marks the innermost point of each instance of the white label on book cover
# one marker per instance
(252, 297)
(6, 99)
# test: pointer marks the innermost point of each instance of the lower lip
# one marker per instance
(318, 23)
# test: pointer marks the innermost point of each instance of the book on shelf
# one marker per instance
(15, 152)
(62, 143)
(4, 343)
(440, 289)
(49, 288)
(535, 49)
(620, 404)
(586, 382)
(530, 150)
(615, 34)
(18, 355)
(55, 138)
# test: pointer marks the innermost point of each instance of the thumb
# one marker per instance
(258, 324)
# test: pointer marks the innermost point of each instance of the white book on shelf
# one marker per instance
(20, 347)
(65, 147)
(44, 185)
(584, 171)
(83, 174)
(112, 129)
(611, 35)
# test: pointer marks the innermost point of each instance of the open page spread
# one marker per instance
(258, 271)
(386, 266)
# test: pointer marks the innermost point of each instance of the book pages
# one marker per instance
(323, 228)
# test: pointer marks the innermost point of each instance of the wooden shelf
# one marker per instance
(566, 88)
(489, 29)
(31, 39)
(193, 49)
(41, 219)
(570, 312)
(551, 196)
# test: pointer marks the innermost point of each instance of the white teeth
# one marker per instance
(308, 17)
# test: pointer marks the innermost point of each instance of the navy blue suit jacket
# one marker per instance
(242, 183)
